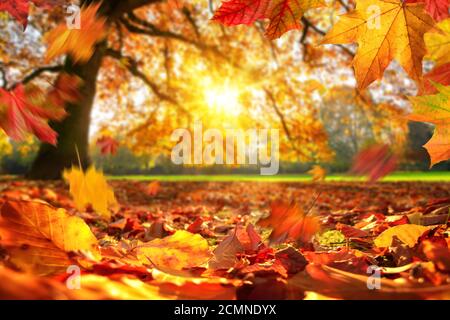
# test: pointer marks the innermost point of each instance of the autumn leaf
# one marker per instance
(288, 221)
(436, 110)
(178, 251)
(440, 74)
(407, 233)
(18, 115)
(438, 43)
(384, 30)
(18, 9)
(107, 145)
(78, 43)
(284, 15)
(153, 188)
(438, 9)
(90, 188)
(375, 162)
(38, 237)
(318, 173)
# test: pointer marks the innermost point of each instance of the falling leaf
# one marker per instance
(406, 233)
(384, 30)
(78, 43)
(375, 162)
(180, 250)
(153, 188)
(18, 115)
(107, 145)
(438, 9)
(438, 43)
(284, 15)
(38, 237)
(318, 173)
(90, 188)
(290, 222)
(436, 110)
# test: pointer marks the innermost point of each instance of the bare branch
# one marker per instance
(283, 121)
(308, 24)
(37, 72)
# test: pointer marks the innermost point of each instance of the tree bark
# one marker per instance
(73, 131)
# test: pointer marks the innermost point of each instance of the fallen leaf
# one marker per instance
(178, 251)
(38, 237)
(406, 233)
(438, 43)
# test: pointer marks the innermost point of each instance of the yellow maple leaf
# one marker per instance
(79, 43)
(90, 188)
(37, 236)
(438, 43)
(384, 30)
(436, 110)
(180, 250)
(407, 233)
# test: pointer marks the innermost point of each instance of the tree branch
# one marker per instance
(132, 67)
(37, 72)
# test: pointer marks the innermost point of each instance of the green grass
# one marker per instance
(397, 176)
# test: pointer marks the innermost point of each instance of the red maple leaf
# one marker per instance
(18, 116)
(438, 9)
(440, 74)
(107, 145)
(19, 9)
(234, 12)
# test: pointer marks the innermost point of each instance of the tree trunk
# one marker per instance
(73, 131)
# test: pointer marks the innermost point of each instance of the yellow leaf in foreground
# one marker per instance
(90, 188)
(37, 236)
(180, 250)
(407, 233)
(384, 30)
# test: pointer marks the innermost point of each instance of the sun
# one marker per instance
(223, 99)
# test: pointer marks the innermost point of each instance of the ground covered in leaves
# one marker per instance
(229, 240)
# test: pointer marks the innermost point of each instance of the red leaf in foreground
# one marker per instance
(107, 145)
(18, 116)
(375, 162)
